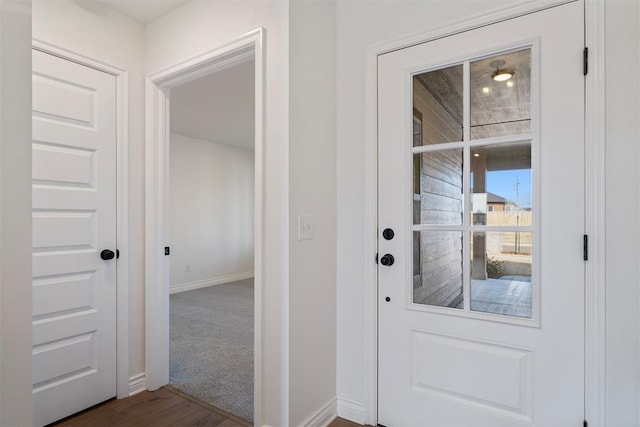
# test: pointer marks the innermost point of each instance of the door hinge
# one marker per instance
(585, 61)
(167, 251)
(585, 424)
(585, 247)
(376, 258)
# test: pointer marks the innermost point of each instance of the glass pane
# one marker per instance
(501, 273)
(501, 95)
(437, 97)
(437, 188)
(501, 185)
(437, 267)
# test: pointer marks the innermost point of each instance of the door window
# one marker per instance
(473, 208)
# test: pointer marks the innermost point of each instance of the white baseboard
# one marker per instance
(181, 287)
(137, 384)
(324, 416)
(352, 410)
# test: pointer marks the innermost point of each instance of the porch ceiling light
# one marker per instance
(501, 75)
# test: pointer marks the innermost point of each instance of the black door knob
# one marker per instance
(107, 254)
(387, 260)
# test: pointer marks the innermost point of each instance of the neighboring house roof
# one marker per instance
(494, 198)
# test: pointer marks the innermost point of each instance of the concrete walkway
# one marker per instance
(509, 295)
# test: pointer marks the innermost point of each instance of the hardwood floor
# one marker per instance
(341, 422)
(164, 407)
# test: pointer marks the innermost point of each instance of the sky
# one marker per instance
(503, 183)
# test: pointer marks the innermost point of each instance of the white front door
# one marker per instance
(74, 220)
(481, 188)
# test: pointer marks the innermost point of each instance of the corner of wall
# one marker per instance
(323, 416)
(352, 410)
(16, 399)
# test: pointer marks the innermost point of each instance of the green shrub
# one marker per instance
(494, 268)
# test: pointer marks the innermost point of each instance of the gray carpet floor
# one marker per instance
(211, 352)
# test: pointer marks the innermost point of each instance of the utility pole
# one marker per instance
(517, 241)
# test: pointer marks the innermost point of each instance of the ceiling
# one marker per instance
(217, 108)
(497, 109)
(143, 11)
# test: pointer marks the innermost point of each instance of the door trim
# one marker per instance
(157, 194)
(595, 136)
(122, 201)
(594, 192)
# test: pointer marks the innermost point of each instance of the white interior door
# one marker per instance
(481, 179)
(74, 220)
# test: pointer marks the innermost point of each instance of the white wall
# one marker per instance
(312, 184)
(95, 31)
(16, 403)
(211, 212)
(622, 214)
(198, 27)
(364, 23)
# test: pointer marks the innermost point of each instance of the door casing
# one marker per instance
(594, 192)
(249, 45)
(122, 202)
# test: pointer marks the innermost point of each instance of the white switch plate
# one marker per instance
(305, 227)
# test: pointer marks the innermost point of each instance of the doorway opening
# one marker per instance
(211, 218)
(204, 235)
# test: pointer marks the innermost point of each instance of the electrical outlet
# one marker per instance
(305, 227)
(187, 268)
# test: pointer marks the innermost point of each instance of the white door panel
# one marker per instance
(64, 230)
(79, 106)
(73, 201)
(77, 286)
(53, 164)
(74, 184)
(484, 323)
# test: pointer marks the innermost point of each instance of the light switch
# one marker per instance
(305, 227)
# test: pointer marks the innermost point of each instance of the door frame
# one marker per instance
(122, 201)
(594, 193)
(249, 45)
